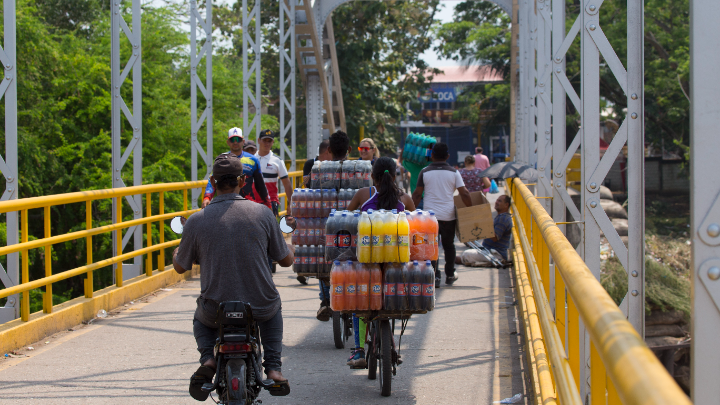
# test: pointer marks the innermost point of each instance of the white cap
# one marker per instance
(235, 131)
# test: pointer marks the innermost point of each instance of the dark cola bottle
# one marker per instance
(415, 287)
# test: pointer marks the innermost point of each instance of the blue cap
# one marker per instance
(337, 262)
(415, 262)
(394, 211)
(349, 262)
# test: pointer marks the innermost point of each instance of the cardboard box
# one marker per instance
(474, 222)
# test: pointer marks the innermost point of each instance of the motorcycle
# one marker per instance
(238, 348)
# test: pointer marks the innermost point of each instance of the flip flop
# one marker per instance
(203, 375)
(279, 388)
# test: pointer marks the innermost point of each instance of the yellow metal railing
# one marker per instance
(623, 370)
(25, 204)
(296, 181)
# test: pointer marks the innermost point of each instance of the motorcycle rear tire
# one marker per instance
(236, 368)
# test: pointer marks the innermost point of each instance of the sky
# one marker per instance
(444, 15)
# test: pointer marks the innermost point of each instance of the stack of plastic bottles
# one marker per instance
(389, 237)
(358, 286)
(417, 148)
(348, 174)
(355, 286)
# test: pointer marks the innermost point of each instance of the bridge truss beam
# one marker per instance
(704, 200)
(252, 97)
(541, 133)
(204, 42)
(133, 127)
(9, 165)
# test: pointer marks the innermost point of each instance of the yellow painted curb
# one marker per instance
(16, 334)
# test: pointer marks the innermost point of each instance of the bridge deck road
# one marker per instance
(466, 351)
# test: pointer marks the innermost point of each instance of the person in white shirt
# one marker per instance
(481, 161)
(273, 169)
(439, 181)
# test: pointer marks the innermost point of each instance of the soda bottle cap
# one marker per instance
(415, 262)
(428, 262)
(312, 246)
(337, 262)
(356, 215)
(344, 214)
(370, 211)
(394, 211)
(349, 262)
(364, 214)
(402, 215)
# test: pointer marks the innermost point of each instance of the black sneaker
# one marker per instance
(324, 313)
(302, 280)
(437, 283)
(451, 280)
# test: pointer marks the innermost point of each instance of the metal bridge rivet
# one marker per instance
(558, 70)
(592, 27)
(542, 84)
(137, 129)
(634, 273)
(713, 230)
(592, 8)
(542, 169)
(558, 174)
(7, 78)
(117, 170)
(8, 67)
(633, 115)
(593, 204)
(10, 179)
(713, 273)
(633, 96)
(10, 189)
(593, 185)
(117, 178)
(558, 186)
(634, 293)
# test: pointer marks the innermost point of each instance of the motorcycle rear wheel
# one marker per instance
(236, 369)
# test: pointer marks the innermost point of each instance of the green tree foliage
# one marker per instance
(64, 119)
(378, 46)
(481, 35)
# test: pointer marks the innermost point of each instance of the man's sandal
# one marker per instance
(203, 375)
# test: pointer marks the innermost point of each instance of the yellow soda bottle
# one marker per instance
(378, 238)
(391, 253)
(364, 247)
(403, 238)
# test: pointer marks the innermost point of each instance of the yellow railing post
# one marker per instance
(88, 245)
(185, 200)
(25, 304)
(161, 229)
(47, 298)
(118, 245)
(148, 259)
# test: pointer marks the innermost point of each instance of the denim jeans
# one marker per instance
(271, 333)
(447, 238)
(324, 291)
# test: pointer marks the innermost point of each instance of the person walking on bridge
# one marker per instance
(273, 169)
(251, 169)
(439, 181)
(232, 239)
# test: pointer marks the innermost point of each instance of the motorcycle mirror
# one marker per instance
(177, 224)
(288, 224)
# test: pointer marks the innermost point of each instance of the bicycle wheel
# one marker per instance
(385, 358)
(338, 330)
(372, 351)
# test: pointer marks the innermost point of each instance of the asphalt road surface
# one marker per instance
(466, 351)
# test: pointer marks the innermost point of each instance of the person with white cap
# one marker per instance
(273, 169)
(251, 169)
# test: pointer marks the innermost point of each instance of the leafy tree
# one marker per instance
(480, 35)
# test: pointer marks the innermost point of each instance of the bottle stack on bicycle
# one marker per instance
(333, 185)
(393, 271)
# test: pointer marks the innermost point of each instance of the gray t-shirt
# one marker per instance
(232, 239)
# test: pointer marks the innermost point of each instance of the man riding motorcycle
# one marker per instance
(232, 239)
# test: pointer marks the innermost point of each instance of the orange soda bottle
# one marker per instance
(375, 287)
(337, 287)
(434, 237)
(350, 286)
(363, 286)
